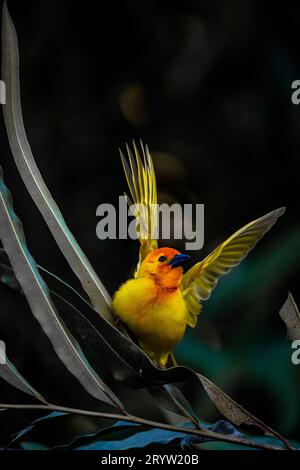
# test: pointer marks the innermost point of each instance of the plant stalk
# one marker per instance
(145, 422)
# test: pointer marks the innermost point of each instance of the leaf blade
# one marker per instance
(11, 375)
(42, 307)
(32, 178)
(233, 411)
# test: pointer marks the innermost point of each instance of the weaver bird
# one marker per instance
(160, 301)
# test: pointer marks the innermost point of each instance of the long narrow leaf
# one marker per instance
(10, 374)
(233, 411)
(32, 178)
(38, 297)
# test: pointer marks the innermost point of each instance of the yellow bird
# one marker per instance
(160, 301)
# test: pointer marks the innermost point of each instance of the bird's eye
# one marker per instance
(162, 258)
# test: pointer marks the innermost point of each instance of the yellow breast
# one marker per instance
(157, 317)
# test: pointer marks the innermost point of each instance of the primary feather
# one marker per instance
(160, 301)
(202, 278)
(141, 182)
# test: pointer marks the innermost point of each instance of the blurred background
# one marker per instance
(207, 85)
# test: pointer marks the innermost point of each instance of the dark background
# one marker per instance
(207, 85)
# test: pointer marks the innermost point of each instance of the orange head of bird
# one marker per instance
(164, 266)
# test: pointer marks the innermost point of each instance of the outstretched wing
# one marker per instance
(141, 181)
(201, 279)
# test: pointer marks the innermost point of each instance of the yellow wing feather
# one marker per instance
(140, 175)
(202, 278)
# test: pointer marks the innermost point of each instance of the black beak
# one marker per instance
(179, 260)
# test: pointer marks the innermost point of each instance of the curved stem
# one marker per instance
(145, 422)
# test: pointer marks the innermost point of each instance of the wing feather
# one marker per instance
(202, 278)
(140, 176)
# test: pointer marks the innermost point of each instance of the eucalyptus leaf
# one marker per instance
(10, 374)
(231, 409)
(32, 178)
(291, 316)
(42, 307)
